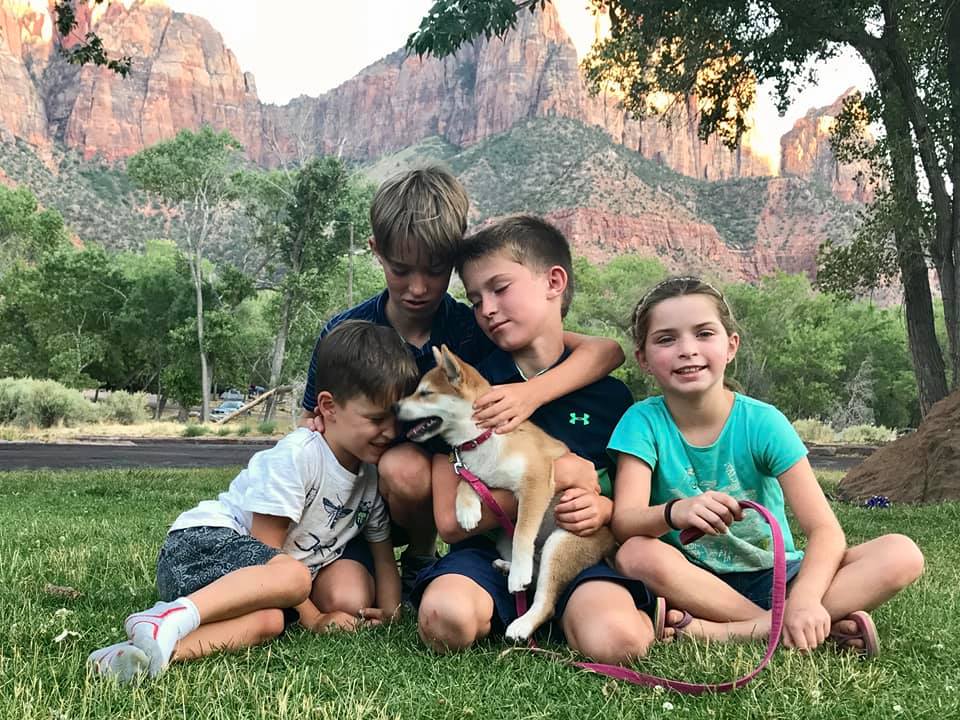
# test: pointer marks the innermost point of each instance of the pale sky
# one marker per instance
(306, 47)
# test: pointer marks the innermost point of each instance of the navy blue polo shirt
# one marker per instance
(583, 419)
(454, 325)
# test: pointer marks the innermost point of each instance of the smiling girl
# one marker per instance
(684, 460)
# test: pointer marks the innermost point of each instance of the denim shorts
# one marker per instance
(473, 558)
(192, 558)
(757, 585)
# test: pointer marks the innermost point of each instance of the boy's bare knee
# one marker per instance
(293, 576)
(613, 640)
(346, 599)
(446, 625)
(405, 476)
(266, 624)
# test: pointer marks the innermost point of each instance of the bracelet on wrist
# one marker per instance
(667, 509)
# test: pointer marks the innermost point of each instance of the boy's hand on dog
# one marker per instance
(582, 512)
(711, 512)
(806, 624)
(504, 407)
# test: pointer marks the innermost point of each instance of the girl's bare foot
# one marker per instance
(715, 631)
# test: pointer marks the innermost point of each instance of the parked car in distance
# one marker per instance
(231, 394)
(225, 408)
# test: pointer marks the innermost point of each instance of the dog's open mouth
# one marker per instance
(424, 428)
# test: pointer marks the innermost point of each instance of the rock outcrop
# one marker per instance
(922, 467)
(486, 89)
(184, 76)
(805, 152)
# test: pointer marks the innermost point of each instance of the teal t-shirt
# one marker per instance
(757, 444)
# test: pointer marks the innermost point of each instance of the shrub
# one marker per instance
(244, 430)
(811, 430)
(194, 430)
(268, 427)
(868, 434)
(42, 403)
(224, 431)
(125, 408)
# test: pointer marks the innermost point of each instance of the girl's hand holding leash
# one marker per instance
(582, 512)
(806, 624)
(711, 513)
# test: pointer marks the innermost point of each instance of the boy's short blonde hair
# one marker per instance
(421, 214)
(360, 358)
(527, 240)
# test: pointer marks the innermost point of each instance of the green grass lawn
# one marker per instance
(99, 532)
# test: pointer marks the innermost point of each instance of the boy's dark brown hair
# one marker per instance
(528, 240)
(360, 358)
(420, 214)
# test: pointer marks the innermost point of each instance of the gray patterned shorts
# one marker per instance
(192, 558)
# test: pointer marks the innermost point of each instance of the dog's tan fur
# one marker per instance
(520, 461)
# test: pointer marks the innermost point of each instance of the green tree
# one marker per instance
(26, 231)
(159, 299)
(194, 175)
(718, 50)
(90, 49)
(305, 220)
(62, 314)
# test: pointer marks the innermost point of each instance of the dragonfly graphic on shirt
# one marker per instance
(335, 511)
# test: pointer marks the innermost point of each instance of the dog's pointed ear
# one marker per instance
(450, 365)
(437, 356)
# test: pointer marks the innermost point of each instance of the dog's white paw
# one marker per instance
(468, 512)
(521, 574)
(502, 565)
(520, 629)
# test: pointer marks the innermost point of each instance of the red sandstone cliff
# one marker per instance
(486, 89)
(183, 76)
(805, 152)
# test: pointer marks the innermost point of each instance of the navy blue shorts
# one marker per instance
(756, 585)
(358, 550)
(473, 558)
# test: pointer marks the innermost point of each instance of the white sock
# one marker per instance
(156, 631)
(123, 660)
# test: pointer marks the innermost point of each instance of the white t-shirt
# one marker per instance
(300, 478)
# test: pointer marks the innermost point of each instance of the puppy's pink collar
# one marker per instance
(476, 442)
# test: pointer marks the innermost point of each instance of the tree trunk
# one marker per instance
(279, 349)
(902, 85)
(196, 270)
(952, 25)
(925, 349)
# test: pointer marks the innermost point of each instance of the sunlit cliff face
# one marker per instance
(36, 16)
(584, 29)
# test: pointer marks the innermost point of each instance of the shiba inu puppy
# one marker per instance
(520, 461)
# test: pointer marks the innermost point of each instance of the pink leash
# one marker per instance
(777, 603)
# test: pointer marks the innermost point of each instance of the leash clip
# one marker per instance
(457, 459)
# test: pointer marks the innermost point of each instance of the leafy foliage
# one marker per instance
(42, 403)
(90, 50)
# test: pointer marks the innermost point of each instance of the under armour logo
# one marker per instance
(583, 419)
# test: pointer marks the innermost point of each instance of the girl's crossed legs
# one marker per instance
(869, 574)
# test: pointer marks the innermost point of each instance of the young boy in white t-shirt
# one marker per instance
(301, 534)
